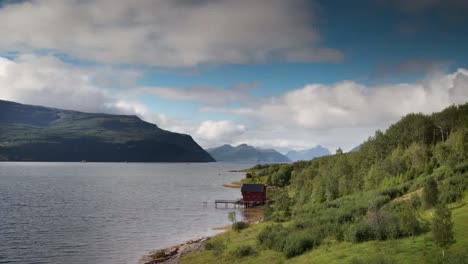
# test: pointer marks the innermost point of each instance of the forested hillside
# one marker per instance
(401, 185)
(36, 133)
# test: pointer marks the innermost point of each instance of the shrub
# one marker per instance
(273, 237)
(243, 251)
(430, 193)
(395, 192)
(453, 188)
(359, 232)
(217, 246)
(298, 243)
(238, 226)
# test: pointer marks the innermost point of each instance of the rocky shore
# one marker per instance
(172, 255)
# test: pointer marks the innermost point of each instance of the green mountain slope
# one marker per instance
(374, 205)
(35, 133)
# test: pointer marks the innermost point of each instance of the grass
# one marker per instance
(420, 250)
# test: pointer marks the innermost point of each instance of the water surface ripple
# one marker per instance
(107, 212)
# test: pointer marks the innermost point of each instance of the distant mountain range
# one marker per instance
(308, 154)
(247, 154)
(36, 133)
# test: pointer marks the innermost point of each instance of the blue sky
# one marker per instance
(282, 74)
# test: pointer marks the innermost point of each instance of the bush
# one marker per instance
(238, 226)
(395, 192)
(273, 237)
(430, 193)
(217, 246)
(243, 251)
(453, 189)
(298, 243)
(359, 232)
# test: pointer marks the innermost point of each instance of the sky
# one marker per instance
(271, 73)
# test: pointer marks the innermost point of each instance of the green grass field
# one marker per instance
(420, 250)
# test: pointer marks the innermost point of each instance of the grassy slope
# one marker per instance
(420, 250)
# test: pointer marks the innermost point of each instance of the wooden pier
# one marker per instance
(237, 203)
(227, 202)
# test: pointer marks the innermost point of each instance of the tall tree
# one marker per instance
(408, 221)
(442, 228)
(430, 193)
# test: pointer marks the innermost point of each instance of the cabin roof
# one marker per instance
(249, 187)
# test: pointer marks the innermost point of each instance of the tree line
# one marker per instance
(376, 193)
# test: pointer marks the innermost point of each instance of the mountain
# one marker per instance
(247, 154)
(36, 133)
(356, 148)
(308, 154)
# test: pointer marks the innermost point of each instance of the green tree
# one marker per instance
(282, 176)
(232, 217)
(409, 223)
(442, 228)
(416, 157)
(373, 177)
(430, 193)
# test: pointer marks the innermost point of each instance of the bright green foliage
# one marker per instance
(409, 223)
(282, 176)
(442, 227)
(416, 157)
(362, 197)
(454, 150)
(421, 249)
(243, 251)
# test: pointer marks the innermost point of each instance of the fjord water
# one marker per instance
(107, 212)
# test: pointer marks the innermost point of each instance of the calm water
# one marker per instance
(107, 213)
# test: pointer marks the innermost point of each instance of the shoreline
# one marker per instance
(236, 184)
(173, 254)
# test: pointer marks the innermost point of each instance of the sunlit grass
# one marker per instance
(421, 249)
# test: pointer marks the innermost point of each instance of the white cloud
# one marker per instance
(346, 113)
(219, 131)
(50, 82)
(349, 104)
(338, 115)
(167, 33)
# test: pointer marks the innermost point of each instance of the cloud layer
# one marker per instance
(338, 115)
(346, 113)
(204, 94)
(167, 33)
(50, 82)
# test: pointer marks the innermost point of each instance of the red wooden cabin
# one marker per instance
(253, 193)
